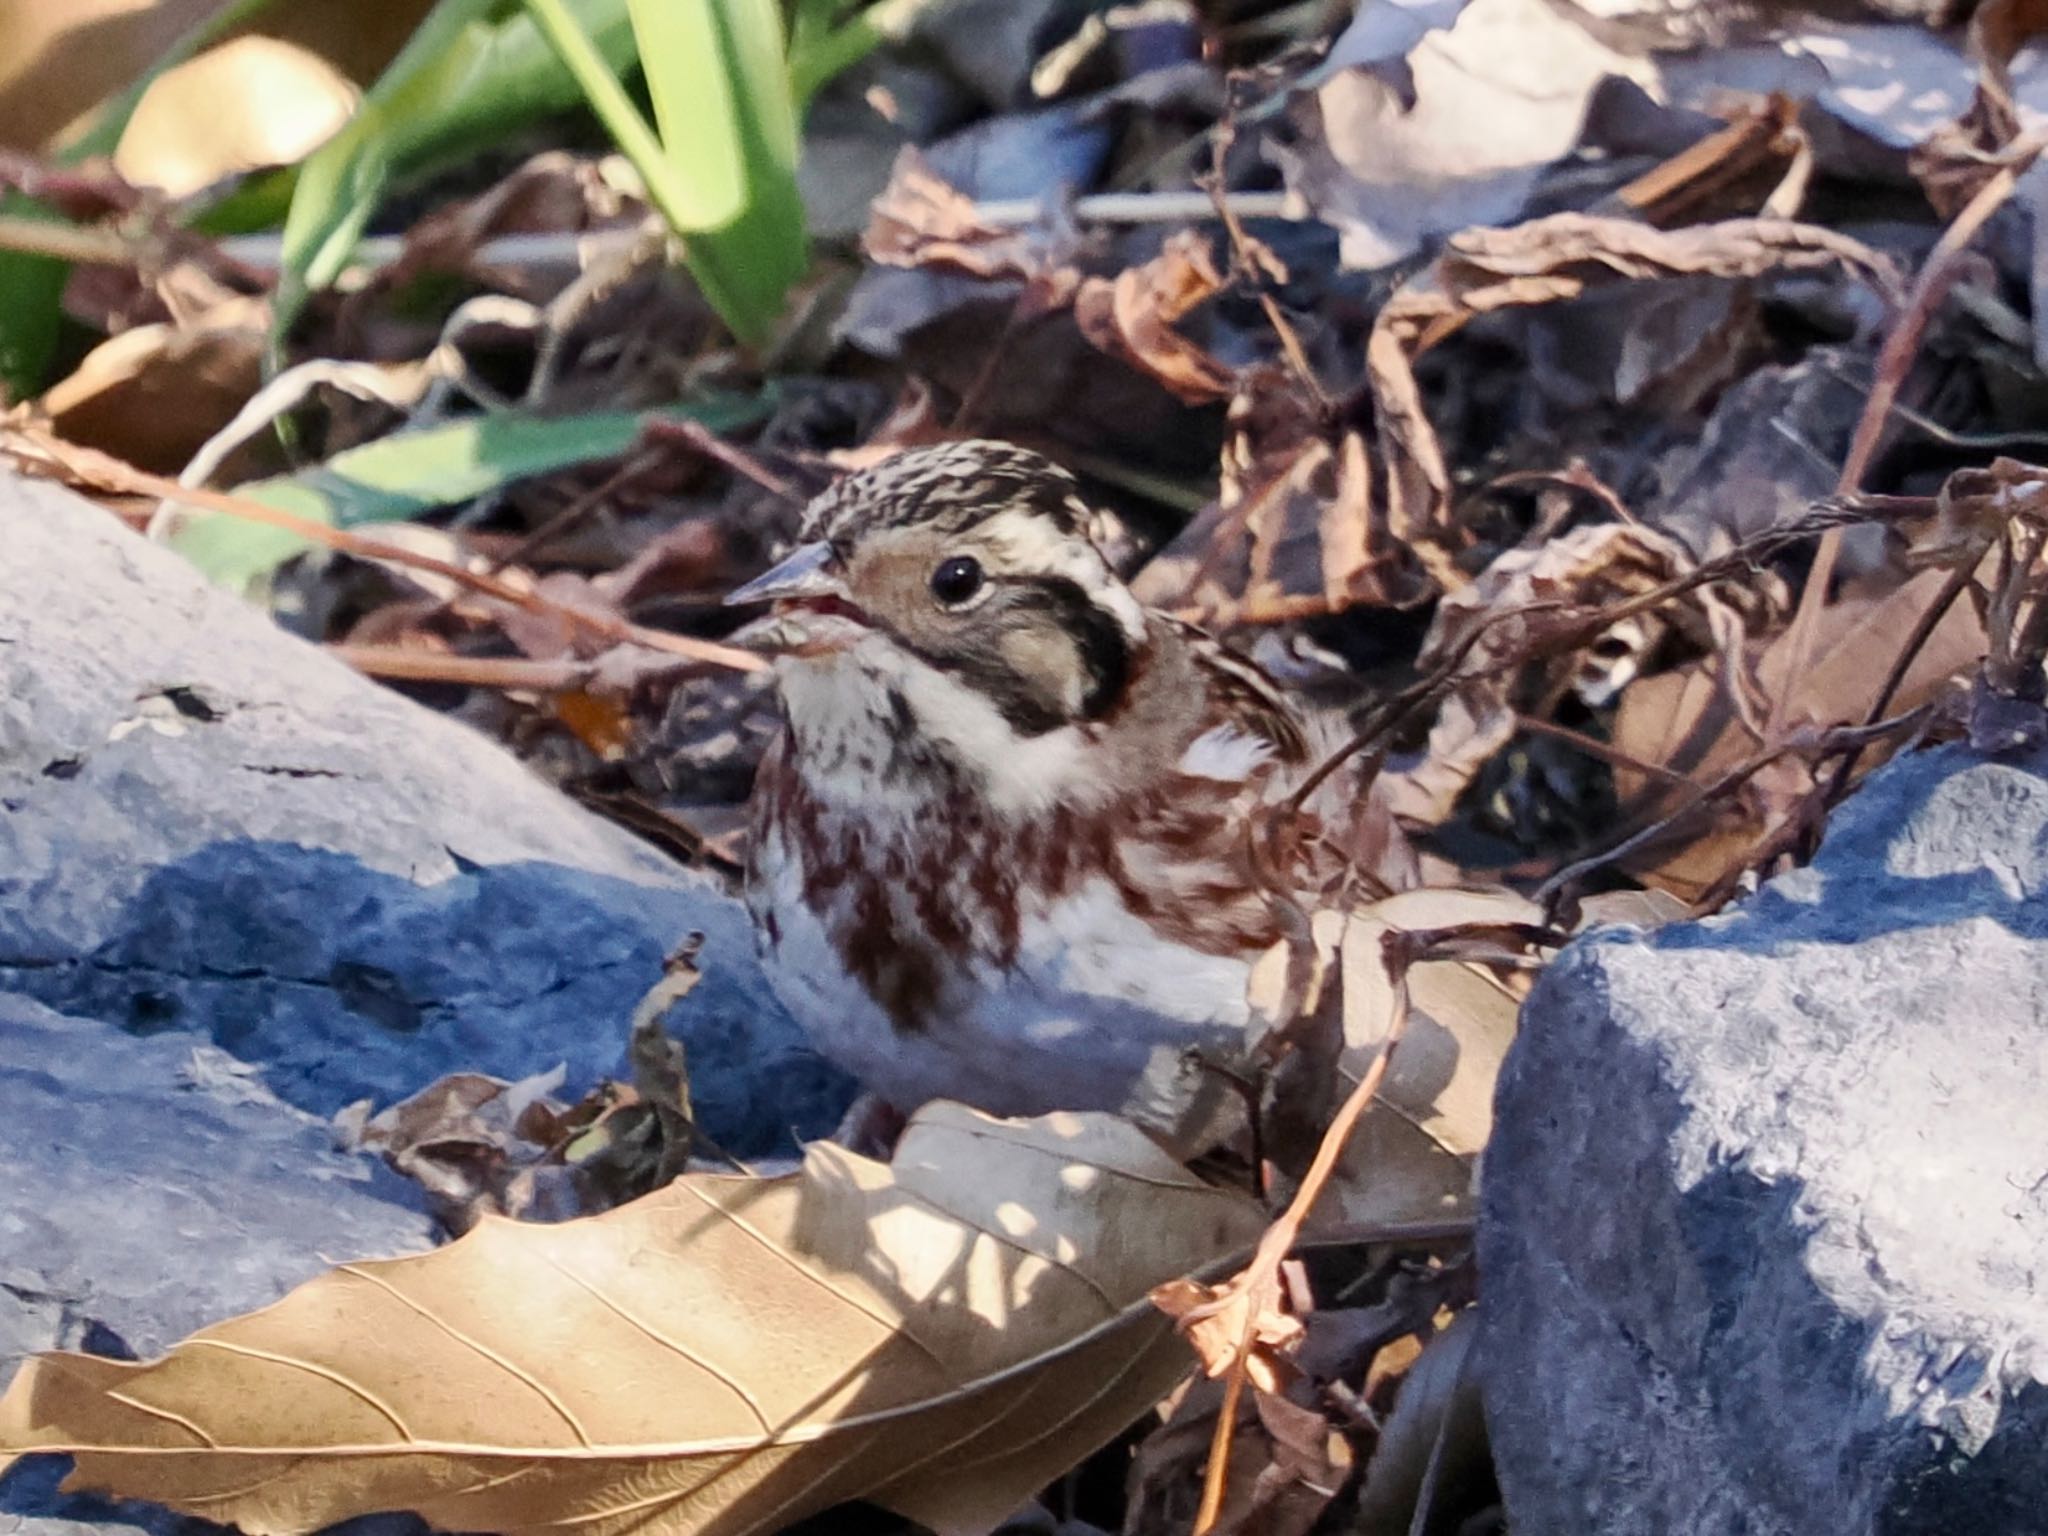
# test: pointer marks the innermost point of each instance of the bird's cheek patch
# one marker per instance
(1045, 664)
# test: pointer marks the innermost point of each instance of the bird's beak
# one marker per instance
(814, 615)
(809, 571)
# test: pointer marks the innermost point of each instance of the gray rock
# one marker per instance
(1764, 1241)
(208, 825)
(147, 1188)
(214, 839)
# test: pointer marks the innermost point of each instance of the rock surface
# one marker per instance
(147, 1188)
(208, 825)
(1764, 1241)
(255, 887)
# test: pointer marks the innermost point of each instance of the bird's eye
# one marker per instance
(956, 580)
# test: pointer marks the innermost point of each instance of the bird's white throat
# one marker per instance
(876, 733)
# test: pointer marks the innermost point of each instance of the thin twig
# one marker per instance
(1592, 746)
(37, 452)
(1248, 269)
(1390, 716)
(412, 664)
(1259, 1279)
(1840, 739)
(579, 507)
(1909, 651)
(1280, 1237)
(89, 245)
(699, 438)
(1894, 362)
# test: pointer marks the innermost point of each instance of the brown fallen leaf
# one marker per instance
(154, 394)
(1546, 261)
(940, 1336)
(1295, 530)
(923, 220)
(249, 102)
(1426, 118)
(465, 1139)
(1131, 317)
(1683, 721)
(1286, 1463)
(1956, 161)
(1526, 597)
(1413, 1157)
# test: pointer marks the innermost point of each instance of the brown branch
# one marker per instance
(1916, 641)
(412, 664)
(1840, 739)
(1606, 752)
(1261, 1273)
(41, 453)
(1248, 268)
(579, 507)
(1894, 362)
(1259, 1280)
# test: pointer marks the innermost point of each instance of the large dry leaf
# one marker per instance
(1412, 1157)
(1427, 118)
(154, 394)
(1682, 720)
(940, 1336)
(250, 102)
(1547, 261)
(60, 58)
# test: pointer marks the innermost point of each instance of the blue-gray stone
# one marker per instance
(254, 887)
(1764, 1243)
(206, 824)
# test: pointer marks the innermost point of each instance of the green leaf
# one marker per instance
(31, 310)
(824, 39)
(32, 287)
(409, 473)
(723, 169)
(463, 78)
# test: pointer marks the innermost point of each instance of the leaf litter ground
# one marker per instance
(1631, 464)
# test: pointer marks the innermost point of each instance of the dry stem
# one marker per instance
(38, 452)
(1894, 361)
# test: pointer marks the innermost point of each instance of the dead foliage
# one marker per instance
(1616, 492)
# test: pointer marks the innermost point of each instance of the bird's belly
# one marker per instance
(1092, 999)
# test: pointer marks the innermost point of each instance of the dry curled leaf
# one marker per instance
(1411, 1158)
(1131, 317)
(922, 220)
(1286, 1463)
(1546, 261)
(1524, 600)
(155, 393)
(1683, 721)
(1295, 529)
(940, 1336)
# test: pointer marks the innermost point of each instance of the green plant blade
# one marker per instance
(32, 287)
(409, 473)
(722, 170)
(464, 78)
(824, 39)
(719, 81)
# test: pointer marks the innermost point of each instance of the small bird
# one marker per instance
(1000, 852)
